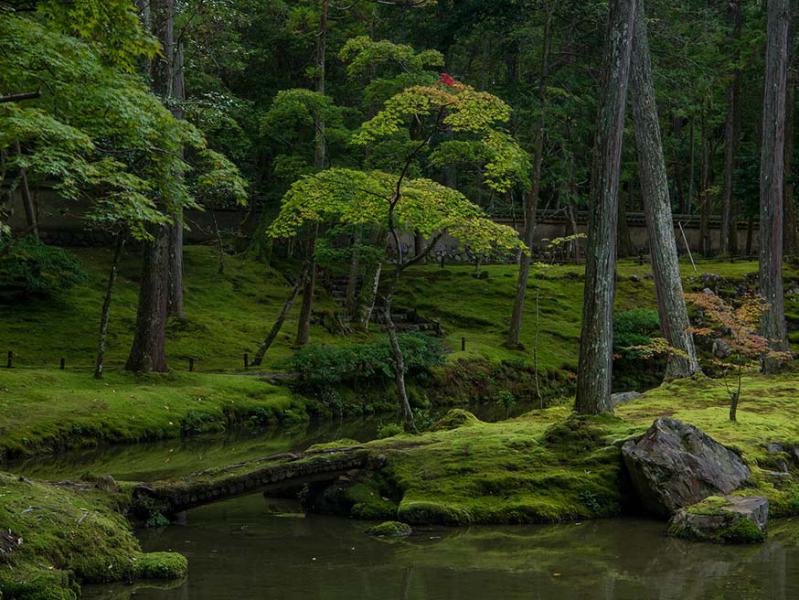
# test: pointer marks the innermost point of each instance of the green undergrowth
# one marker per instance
(46, 411)
(54, 538)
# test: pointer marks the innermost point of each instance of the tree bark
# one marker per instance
(791, 243)
(320, 161)
(397, 357)
(772, 174)
(729, 229)
(515, 329)
(31, 217)
(148, 350)
(595, 371)
(105, 315)
(278, 324)
(674, 320)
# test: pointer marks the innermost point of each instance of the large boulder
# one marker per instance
(674, 465)
(727, 520)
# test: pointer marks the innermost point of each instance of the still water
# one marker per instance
(242, 550)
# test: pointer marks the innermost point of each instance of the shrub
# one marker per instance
(331, 365)
(634, 328)
(34, 269)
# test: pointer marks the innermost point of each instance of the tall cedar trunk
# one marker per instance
(729, 227)
(677, 125)
(705, 198)
(166, 72)
(278, 324)
(105, 315)
(148, 350)
(31, 217)
(657, 208)
(790, 226)
(772, 173)
(320, 160)
(515, 328)
(595, 373)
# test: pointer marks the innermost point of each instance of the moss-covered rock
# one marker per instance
(455, 418)
(725, 520)
(391, 529)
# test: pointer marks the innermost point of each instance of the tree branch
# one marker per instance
(18, 97)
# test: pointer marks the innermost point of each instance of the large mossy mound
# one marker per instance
(56, 537)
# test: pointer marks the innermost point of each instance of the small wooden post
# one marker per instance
(463, 344)
(443, 260)
(246, 361)
(191, 364)
(62, 363)
(10, 362)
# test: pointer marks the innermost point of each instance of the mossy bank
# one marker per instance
(55, 537)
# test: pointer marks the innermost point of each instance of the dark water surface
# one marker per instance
(239, 550)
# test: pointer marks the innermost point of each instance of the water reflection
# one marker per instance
(238, 550)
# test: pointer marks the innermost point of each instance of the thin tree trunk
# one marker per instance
(278, 324)
(351, 294)
(705, 199)
(674, 320)
(399, 360)
(729, 230)
(27, 198)
(369, 307)
(772, 173)
(148, 350)
(595, 371)
(320, 161)
(686, 209)
(515, 329)
(105, 314)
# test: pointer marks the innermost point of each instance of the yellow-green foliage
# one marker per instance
(57, 536)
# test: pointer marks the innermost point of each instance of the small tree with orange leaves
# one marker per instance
(737, 346)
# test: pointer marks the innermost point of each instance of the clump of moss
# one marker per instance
(65, 535)
(455, 418)
(390, 529)
(334, 445)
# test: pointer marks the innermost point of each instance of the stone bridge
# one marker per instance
(271, 475)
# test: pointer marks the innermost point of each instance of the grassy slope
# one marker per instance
(45, 410)
(51, 536)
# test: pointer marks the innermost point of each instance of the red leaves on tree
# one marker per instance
(447, 79)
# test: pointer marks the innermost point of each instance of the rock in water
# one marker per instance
(674, 465)
(390, 529)
(728, 520)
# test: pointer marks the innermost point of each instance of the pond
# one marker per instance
(242, 549)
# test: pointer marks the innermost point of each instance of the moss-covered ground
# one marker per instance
(54, 538)
(548, 466)
(49, 410)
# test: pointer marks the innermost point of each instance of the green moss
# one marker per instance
(391, 529)
(44, 410)
(334, 445)
(161, 565)
(58, 536)
(455, 418)
(742, 531)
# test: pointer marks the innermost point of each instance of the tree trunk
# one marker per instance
(31, 217)
(320, 161)
(397, 357)
(278, 325)
(705, 199)
(674, 320)
(148, 350)
(515, 329)
(351, 295)
(772, 173)
(595, 371)
(791, 243)
(729, 229)
(105, 315)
